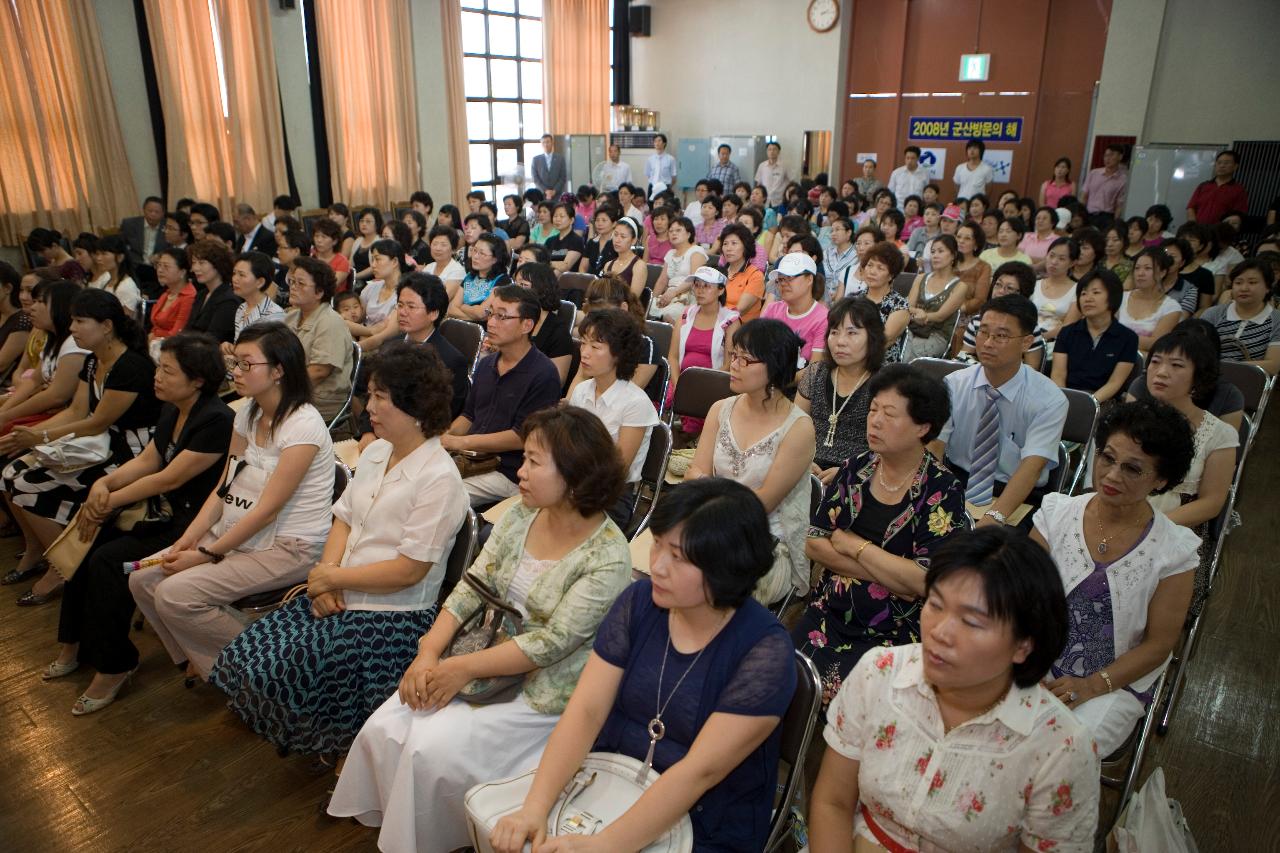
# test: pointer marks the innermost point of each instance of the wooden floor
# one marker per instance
(167, 768)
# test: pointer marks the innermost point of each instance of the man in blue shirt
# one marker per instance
(725, 170)
(507, 387)
(1006, 418)
(661, 168)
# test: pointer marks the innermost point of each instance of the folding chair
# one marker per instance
(797, 731)
(660, 333)
(696, 390)
(652, 271)
(1218, 530)
(465, 337)
(346, 407)
(461, 555)
(1254, 384)
(656, 390)
(1082, 420)
(260, 603)
(568, 314)
(939, 368)
(902, 283)
(816, 490)
(1135, 747)
(573, 285)
(652, 478)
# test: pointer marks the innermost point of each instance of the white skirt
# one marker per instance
(408, 771)
(1110, 717)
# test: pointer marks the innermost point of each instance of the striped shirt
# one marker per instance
(1253, 336)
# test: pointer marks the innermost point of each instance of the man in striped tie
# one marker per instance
(1006, 418)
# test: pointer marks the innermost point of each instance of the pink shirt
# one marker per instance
(810, 326)
(1106, 192)
(656, 249)
(1054, 193)
(1034, 247)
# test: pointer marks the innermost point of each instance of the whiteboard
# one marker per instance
(1167, 175)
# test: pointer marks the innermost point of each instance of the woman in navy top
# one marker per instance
(1096, 353)
(691, 654)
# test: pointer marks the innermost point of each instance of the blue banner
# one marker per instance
(960, 129)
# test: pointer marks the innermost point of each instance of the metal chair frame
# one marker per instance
(653, 476)
(346, 407)
(797, 732)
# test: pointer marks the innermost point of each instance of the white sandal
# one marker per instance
(86, 705)
(58, 670)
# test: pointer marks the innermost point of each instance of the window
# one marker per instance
(502, 80)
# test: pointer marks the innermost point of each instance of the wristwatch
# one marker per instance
(996, 514)
(213, 558)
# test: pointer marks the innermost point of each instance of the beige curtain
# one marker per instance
(576, 68)
(62, 158)
(221, 159)
(455, 100)
(366, 66)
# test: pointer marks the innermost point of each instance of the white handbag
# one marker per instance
(73, 452)
(602, 790)
(240, 494)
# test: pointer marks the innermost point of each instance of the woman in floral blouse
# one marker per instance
(953, 743)
(879, 521)
(556, 557)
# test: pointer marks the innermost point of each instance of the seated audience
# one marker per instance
(556, 557)
(114, 397)
(599, 249)
(833, 390)
(851, 281)
(744, 284)
(326, 343)
(605, 293)
(1008, 236)
(1127, 569)
(1224, 400)
(326, 237)
(264, 528)
(417, 250)
(486, 271)
(508, 386)
(766, 442)
(171, 478)
(54, 358)
(935, 301)
(839, 256)
(1013, 277)
(305, 676)
(626, 264)
(973, 271)
(177, 231)
(611, 346)
(1090, 248)
(442, 242)
(881, 517)
(214, 308)
(173, 308)
(566, 245)
(387, 258)
(1096, 353)
(1036, 242)
(879, 268)
(1006, 418)
(796, 280)
(1179, 288)
(290, 246)
(718, 756)
(551, 334)
(250, 280)
(542, 230)
(46, 244)
(672, 292)
(703, 335)
(1055, 294)
(113, 271)
(1248, 325)
(1116, 245)
(516, 226)
(15, 323)
(368, 231)
(964, 709)
(1145, 308)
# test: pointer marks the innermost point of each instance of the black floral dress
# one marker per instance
(847, 616)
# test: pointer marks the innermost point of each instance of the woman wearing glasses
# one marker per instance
(766, 442)
(486, 260)
(1127, 568)
(265, 527)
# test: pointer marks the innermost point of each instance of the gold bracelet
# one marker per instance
(1107, 679)
(858, 556)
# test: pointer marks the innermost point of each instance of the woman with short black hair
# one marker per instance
(880, 518)
(1127, 568)
(718, 753)
(551, 335)
(965, 710)
(1096, 354)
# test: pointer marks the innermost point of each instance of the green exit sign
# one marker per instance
(974, 67)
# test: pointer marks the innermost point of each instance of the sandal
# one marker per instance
(85, 705)
(31, 598)
(58, 670)
(19, 575)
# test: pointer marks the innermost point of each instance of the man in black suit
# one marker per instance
(251, 234)
(145, 233)
(420, 309)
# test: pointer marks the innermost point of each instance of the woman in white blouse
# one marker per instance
(442, 242)
(111, 263)
(953, 743)
(1145, 308)
(612, 344)
(671, 292)
(306, 676)
(1128, 569)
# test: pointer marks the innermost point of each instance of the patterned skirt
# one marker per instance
(308, 684)
(47, 493)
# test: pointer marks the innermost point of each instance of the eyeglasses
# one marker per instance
(1128, 470)
(410, 306)
(1001, 337)
(490, 314)
(743, 359)
(244, 365)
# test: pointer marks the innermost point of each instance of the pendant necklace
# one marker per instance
(1102, 544)
(834, 417)
(656, 729)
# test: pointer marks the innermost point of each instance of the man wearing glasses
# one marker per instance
(509, 385)
(1006, 418)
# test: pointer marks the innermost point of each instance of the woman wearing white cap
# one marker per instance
(798, 308)
(703, 334)
(627, 266)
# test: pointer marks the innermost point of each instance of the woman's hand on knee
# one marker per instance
(413, 684)
(445, 679)
(515, 829)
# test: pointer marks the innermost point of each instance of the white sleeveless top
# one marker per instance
(1052, 311)
(1212, 434)
(789, 520)
(1146, 326)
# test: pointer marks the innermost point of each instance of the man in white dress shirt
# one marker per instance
(613, 173)
(910, 178)
(661, 167)
(772, 175)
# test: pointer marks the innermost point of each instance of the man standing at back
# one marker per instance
(660, 168)
(1104, 190)
(549, 173)
(1006, 418)
(1214, 199)
(725, 170)
(772, 175)
(910, 178)
(613, 173)
(145, 233)
(973, 176)
(251, 234)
